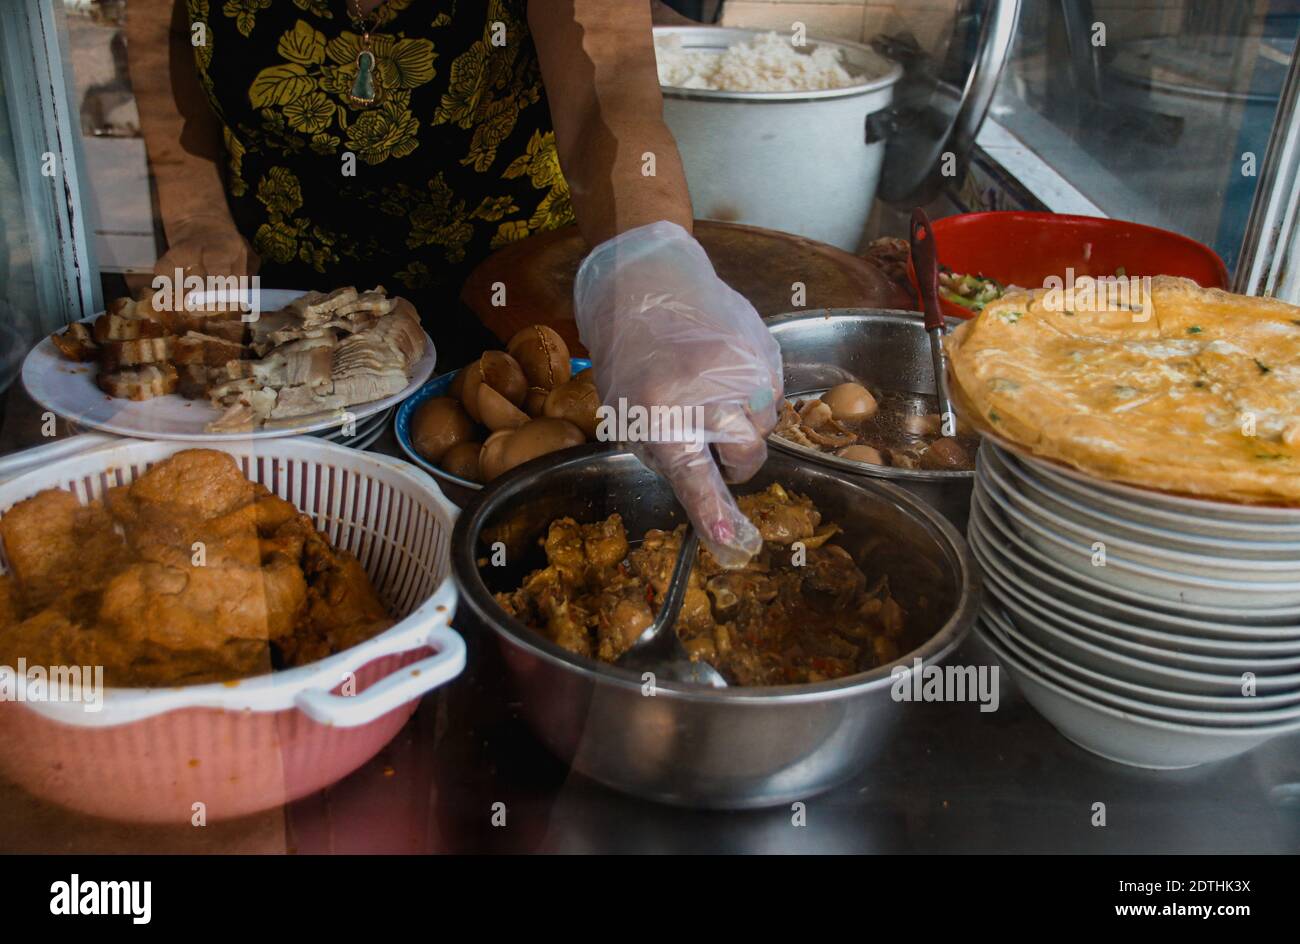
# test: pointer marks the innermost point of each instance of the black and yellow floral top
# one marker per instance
(455, 158)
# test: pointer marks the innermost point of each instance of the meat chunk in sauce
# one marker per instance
(794, 614)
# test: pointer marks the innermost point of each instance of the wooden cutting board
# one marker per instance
(762, 264)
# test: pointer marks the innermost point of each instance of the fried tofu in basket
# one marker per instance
(192, 573)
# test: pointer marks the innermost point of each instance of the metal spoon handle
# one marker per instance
(678, 582)
(925, 260)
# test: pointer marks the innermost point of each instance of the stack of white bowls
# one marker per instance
(1155, 630)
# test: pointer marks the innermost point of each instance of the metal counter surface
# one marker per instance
(952, 780)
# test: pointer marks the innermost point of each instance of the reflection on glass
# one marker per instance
(1158, 112)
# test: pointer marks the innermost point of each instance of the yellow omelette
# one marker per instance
(1168, 385)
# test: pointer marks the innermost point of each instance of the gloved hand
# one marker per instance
(664, 331)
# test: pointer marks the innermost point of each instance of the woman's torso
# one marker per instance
(455, 158)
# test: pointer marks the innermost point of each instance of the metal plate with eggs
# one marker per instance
(889, 352)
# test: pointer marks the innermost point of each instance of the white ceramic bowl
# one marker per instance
(1216, 707)
(1126, 737)
(1259, 666)
(1069, 644)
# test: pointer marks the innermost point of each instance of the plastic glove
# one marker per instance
(664, 331)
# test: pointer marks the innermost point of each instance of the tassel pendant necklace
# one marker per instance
(365, 87)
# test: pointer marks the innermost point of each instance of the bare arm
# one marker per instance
(598, 63)
(183, 140)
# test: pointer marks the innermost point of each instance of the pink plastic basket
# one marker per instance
(151, 755)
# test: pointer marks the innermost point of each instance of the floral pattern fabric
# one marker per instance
(456, 158)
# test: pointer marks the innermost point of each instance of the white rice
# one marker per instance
(766, 63)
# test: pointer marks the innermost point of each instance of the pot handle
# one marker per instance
(919, 134)
(411, 681)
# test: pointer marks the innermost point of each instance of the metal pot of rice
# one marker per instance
(772, 134)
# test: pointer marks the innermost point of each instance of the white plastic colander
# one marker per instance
(391, 516)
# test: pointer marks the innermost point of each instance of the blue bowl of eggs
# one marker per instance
(458, 487)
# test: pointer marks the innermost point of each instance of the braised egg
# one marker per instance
(439, 424)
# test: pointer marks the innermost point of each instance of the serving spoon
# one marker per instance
(925, 259)
(659, 649)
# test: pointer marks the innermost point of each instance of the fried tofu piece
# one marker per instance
(56, 544)
(8, 601)
(193, 485)
(49, 638)
(203, 607)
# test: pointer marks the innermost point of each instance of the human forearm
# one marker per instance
(618, 156)
(181, 134)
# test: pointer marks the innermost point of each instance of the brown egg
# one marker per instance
(850, 401)
(536, 438)
(437, 425)
(496, 412)
(503, 374)
(922, 424)
(491, 461)
(457, 386)
(862, 454)
(461, 460)
(947, 454)
(577, 402)
(535, 401)
(543, 355)
(469, 389)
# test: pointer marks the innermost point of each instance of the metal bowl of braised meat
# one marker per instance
(860, 398)
(566, 558)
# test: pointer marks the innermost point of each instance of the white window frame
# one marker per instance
(37, 80)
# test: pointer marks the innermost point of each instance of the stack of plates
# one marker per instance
(363, 435)
(366, 431)
(1137, 622)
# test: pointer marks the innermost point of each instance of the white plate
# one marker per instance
(69, 390)
(1235, 663)
(1139, 514)
(1070, 645)
(1177, 633)
(364, 438)
(1106, 516)
(1098, 593)
(363, 429)
(1217, 563)
(1172, 587)
(1208, 508)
